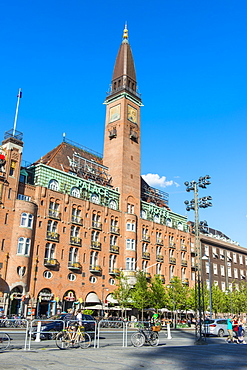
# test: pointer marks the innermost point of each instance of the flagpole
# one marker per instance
(16, 111)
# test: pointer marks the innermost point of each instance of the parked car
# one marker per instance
(215, 327)
(56, 323)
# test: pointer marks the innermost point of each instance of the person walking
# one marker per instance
(240, 331)
(235, 329)
(79, 317)
(229, 329)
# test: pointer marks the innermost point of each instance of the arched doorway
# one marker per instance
(69, 300)
(15, 305)
(44, 303)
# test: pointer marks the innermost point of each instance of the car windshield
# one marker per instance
(208, 321)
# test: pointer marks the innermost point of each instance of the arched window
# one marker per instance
(169, 222)
(144, 265)
(23, 246)
(30, 221)
(157, 218)
(113, 204)
(143, 214)
(73, 254)
(180, 226)
(75, 192)
(158, 268)
(130, 263)
(23, 219)
(26, 220)
(50, 250)
(95, 198)
(53, 185)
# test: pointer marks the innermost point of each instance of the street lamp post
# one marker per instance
(194, 205)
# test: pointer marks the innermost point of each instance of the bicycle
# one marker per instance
(72, 337)
(4, 341)
(145, 335)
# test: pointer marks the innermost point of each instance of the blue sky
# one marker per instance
(190, 58)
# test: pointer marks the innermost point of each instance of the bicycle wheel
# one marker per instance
(63, 340)
(153, 339)
(84, 340)
(137, 339)
(4, 341)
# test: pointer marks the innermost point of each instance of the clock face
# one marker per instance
(114, 113)
(132, 114)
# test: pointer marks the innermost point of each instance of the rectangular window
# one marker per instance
(193, 276)
(223, 286)
(236, 273)
(215, 269)
(206, 250)
(234, 257)
(240, 259)
(215, 255)
(222, 270)
(229, 271)
(130, 263)
(130, 244)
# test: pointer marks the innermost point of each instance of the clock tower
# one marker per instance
(122, 130)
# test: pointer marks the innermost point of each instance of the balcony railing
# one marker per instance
(184, 263)
(159, 241)
(185, 281)
(148, 275)
(97, 225)
(146, 238)
(183, 247)
(95, 268)
(146, 255)
(159, 258)
(51, 235)
(172, 245)
(115, 230)
(95, 245)
(114, 271)
(172, 260)
(75, 240)
(194, 266)
(114, 248)
(54, 214)
(162, 277)
(76, 220)
(74, 265)
(50, 262)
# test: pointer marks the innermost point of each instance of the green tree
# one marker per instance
(140, 294)
(158, 293)
(122, 293)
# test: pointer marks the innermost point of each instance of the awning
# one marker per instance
(110, 299)
(92, 298)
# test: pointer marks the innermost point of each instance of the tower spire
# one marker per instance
(125, 34)
(124, 74)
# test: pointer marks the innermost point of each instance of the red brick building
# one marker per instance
(71, 221)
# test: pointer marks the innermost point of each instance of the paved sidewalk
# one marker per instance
(177, 353)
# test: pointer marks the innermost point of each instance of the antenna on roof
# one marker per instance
(64, 136)
(17, 109)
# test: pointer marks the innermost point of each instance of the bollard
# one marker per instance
(169, 332)
(37, 339)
